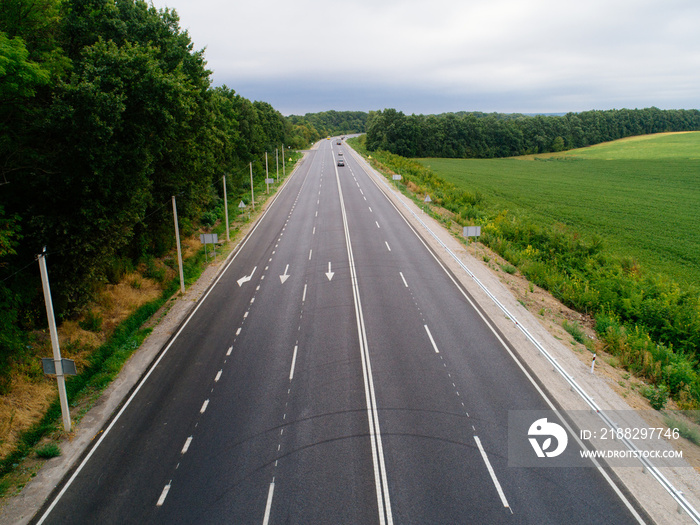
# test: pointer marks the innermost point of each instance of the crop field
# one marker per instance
(640, 195)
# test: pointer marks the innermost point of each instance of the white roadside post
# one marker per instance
(252, 194)
(179, 249)
(60, 377)
(593, 363)
(228, 238)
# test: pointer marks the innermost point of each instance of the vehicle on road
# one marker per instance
(341, 162)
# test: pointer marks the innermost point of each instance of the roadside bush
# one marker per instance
(49, 451)
(117, 268)
(575, 331)
(657, 396)
(92, 322)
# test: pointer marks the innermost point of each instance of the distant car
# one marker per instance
(338, 143)
(341, 162)
(340, 153)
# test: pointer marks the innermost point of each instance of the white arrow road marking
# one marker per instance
(329, 274)
(285, 276)
(247, 277)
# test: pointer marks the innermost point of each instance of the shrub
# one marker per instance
(657, 396)
(576, 332)
(508, 268)
(92, 322)
(685, 429)
(48, 451)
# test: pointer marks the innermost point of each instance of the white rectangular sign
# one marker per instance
(471, 231)
(209, 238)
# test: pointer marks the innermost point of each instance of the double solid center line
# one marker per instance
(380, 478)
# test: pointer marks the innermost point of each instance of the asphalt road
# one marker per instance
(336, 373)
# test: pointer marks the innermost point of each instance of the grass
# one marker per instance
(685, 428)
(575, 331)
(49, 451)
(641, 195)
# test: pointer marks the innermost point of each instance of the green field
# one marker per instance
(641, 195)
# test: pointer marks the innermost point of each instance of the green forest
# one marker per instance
(481, 135)
(331, 123)
(107, 110)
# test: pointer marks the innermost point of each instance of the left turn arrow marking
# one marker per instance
(247, 277)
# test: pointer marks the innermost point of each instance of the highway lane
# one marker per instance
(446, 386)
(335, 374)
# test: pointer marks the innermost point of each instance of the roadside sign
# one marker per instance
(209, 238)
(427, 199)
(68, 366)
(471, 231)
(269, 181)
(241, 205)
(396, 177)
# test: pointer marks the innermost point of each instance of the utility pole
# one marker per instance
(277, 163)
(267, 174)
(228, 238)
(252, 195)
(284, 162)
(179, 249)
(60, 377)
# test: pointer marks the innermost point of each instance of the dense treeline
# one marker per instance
(332, 123)
(479, 135)
(106, 111)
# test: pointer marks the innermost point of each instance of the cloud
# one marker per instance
(543, 54)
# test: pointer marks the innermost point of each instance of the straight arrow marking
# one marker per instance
(285, 276)
(329, 273)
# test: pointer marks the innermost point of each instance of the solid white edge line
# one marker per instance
(431, 338)
(234, 253)
(492, 473)
(544, 396)
(268, 505)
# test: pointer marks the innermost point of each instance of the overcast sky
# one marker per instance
(433, 56)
